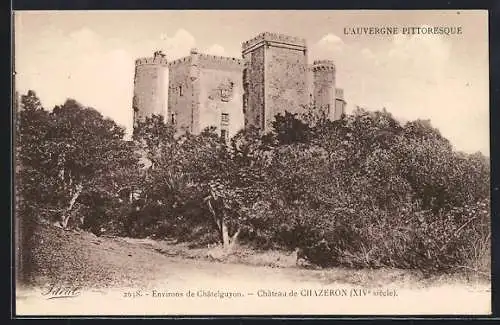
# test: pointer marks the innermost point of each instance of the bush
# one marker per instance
(364, 191)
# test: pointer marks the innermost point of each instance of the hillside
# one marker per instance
(101, 262)
(106, 268)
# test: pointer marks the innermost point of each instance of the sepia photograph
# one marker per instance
(251, 162)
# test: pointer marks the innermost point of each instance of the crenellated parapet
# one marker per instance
(326, 62)
(152, 60)
(221, 62)
(323, 65)
(209, 61)
(273, 39)
(181, 61)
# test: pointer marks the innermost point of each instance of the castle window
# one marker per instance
(223, 136)
(225, 119)
(173, 120)
(224, 124)
(181, 93)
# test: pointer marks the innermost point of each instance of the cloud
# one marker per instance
(216, 49)
(177, 45)
(330, 39)
(412, 76)
(367, 53)
(83, 38)
(330, 47)
(428, 81)
(425, 57)
(416, 76)
(330, 42)
(84, 66)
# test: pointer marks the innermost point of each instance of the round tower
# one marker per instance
(151, 82)
(324, 87)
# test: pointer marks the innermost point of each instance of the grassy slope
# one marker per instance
(83, 258)
(67, 256)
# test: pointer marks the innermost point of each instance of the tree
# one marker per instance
(208, 165)
(290, 129)
(68, 152)
(153, 137)
(32, 124)
(88, 148)
(30, 102)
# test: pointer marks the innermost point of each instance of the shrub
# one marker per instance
(364, 191)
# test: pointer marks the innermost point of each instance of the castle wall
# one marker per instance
(151, 82)
(211, 85)
(275, 77)
(253, 81)
(340, 103)
(286, 87)
(310, 85)
(181, 95)
(221, 92)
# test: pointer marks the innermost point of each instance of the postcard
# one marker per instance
(286, 163)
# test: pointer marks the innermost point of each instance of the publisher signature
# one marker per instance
(57, 291)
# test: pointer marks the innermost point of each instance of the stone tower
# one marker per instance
(151, 84)
(324, 87)
(340, 104)
(274, 78)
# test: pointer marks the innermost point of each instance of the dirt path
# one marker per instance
(119, 277)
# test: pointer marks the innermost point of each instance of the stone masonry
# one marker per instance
(200, 90)
(324, 87)
(151, 82)
(276, 77)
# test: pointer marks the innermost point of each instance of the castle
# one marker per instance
(203, 90)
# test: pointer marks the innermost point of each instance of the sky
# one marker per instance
(89, 56)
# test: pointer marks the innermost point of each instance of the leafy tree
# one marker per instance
(68, 152)
(362, 191)
(32, 124)
(153, 137)
(87, 149)
(290, 129)
(30, 102)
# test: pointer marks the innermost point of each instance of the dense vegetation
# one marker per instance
(363, 191)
